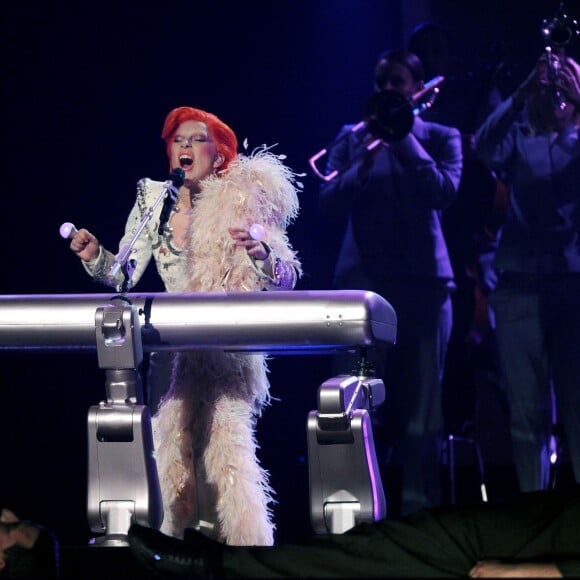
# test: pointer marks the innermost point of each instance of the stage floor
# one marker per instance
(80, 561)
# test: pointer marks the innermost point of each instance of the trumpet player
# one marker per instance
(532, 137)
(391, 199)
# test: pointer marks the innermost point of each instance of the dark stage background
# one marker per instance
(86, 87)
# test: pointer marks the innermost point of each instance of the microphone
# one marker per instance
(67, 230)
(175, 181)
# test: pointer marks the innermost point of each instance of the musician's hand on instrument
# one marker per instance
(243, 239)
(368, 160)
(84, 245)
(569, 82)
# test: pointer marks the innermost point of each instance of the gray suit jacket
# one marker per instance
(541, 234)
(393, 205)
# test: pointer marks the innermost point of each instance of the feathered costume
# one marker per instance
(204, 429)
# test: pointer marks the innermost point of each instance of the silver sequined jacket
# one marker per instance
(274, 273)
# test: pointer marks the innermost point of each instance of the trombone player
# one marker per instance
(391, 195)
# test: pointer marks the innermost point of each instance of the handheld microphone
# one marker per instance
(67, 230)
(175, 181)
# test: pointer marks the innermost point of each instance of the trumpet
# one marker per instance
(387, 117)
(557, 33)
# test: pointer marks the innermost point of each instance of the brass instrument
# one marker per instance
(557, 32)
(387, 117)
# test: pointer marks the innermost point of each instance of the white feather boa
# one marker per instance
(256, 189)
(204, 429)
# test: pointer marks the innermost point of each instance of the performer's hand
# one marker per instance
(85, 245)
(495, 569)
(367, 162)
(569, 82)
(18, 558)
(243, 239)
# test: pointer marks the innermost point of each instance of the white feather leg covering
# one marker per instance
(242, 486)
(211, 409)
(172, 438)
(215, 397)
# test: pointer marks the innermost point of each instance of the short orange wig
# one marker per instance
(224, 138)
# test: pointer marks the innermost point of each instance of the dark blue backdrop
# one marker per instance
(86, 87)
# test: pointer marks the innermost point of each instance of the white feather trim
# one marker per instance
(255, 189)
(232, 467)
(214, 397)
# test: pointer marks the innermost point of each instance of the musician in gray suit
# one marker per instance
(534, 138)
(391, 199)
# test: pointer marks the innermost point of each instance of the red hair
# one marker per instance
(224, 138)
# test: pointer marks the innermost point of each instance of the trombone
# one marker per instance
(387, 117)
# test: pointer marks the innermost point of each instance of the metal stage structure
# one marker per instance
(123, 486)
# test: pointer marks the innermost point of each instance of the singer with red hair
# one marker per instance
(203, 430)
